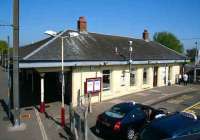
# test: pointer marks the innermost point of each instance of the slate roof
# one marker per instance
(24, 50)
(96, 47)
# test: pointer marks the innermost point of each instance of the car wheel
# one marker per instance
(130, 134)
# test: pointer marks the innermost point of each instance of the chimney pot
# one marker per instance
(82, 24)
(145, 35)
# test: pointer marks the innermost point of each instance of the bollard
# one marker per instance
(79, 99)
(70, 117)
(90, 106)
(85, 125)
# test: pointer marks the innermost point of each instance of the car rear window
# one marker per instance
(115, 112)
(119, 111)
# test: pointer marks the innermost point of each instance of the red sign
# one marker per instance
(93, 85)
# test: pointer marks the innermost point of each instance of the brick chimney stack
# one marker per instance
(145, 35)
(82, 24)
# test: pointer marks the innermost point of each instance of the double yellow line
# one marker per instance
(191, 108)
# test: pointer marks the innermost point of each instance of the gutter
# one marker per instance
(94, 63)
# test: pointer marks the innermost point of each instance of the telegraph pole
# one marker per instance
(8, 67)
(16, 63)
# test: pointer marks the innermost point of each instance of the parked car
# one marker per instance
(178, 126)
(125, 120)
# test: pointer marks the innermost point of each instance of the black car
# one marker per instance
(178, 126)
(125, 120)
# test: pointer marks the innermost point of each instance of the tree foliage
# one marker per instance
(191, 53)
(169, 40)
(3, 46)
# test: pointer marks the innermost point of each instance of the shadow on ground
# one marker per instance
(9, 116)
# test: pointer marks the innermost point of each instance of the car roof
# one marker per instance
(174, 124)
(128, 105)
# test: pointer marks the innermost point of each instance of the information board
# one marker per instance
(93, 85)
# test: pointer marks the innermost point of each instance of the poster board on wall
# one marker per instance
(93, 85)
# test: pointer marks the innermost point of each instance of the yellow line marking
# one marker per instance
(195, 106)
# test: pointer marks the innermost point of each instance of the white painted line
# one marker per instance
(44, 135)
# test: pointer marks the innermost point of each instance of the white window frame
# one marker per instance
(145, 79)
(107, 87)
(133, 72)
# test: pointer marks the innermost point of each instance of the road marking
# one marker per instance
(194, 108)
(44, 135)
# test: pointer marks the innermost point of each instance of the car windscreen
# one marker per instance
(119, 111)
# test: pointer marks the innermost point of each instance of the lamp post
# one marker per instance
(196, 53)
(52, 33)
(63, 86)
(130, 54)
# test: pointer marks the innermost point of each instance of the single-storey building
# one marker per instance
(125, 65)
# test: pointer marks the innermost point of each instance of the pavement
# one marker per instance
(46, 126)
(34, 125)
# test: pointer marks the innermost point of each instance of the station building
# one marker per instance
(122, 71)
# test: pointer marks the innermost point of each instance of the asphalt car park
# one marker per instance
(186, 102)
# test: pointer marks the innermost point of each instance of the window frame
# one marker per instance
(144, 76)
(106, 74)
(133, 72)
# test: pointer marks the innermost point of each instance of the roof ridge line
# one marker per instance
(44, 45)
(170, 49)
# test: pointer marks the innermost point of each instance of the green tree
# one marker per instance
(3, 46)
(169, 40)
(191, 53)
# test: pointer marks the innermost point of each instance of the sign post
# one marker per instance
(93, 87)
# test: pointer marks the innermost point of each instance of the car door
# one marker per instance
(135, 118)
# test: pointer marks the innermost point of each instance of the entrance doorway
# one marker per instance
(53, 87)
(155, 76)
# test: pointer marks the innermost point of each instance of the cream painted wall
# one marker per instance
(118, 86)
(175, 70)
(161, 75)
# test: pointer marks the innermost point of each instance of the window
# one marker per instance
(123, 78)
(145, 76)
(106, 79)
(132, 76)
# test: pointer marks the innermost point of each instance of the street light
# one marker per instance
(70, 35)
(130, 54)
(196, 53)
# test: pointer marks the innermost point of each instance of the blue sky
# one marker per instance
(116, 17)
